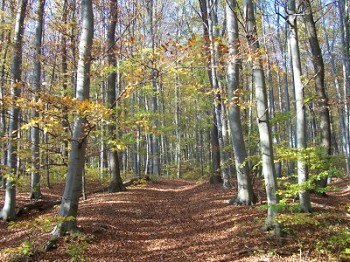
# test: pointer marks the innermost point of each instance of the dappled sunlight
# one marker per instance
(180, 221)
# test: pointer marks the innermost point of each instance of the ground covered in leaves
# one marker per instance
(177, 220)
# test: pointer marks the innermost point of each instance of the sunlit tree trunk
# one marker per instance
(343, 7)
(35, 139)
(264, 127)
(245, 194)
(6, 36)
(8, 211)
(300, 107)
(72, 190)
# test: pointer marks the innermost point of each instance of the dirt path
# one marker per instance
(176, 220)
(170, 220)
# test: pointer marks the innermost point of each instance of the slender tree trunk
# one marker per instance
(35, 139)
(155, 157)
(245, 194)
(341, 111)
(64, 66)
(177, 131)
(300, 107)
(72, 190)
(343, 7)
(116, 183)
(8, 211)
(6, 36)
(264, 126)
(214, 134)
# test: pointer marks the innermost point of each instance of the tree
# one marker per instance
(209, 17)
(343, 7)
(245, 193)
(300, 107)
(322, 99)
(72, 190)
(266, 145)
(116, 183)
(35, 176)
(8, 211)
(154, 141)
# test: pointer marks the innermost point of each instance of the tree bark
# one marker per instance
(264, 126)
(116, 183)
(35, 175)
(343, 7)
(322, 102)
(8, 211)
(341, 111)
(245, 193)
(6, 36)
(302, 171)
(72, 190)
(214, 133)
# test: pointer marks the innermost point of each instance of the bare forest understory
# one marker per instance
(178, 220)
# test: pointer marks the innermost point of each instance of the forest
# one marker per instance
(155, 130)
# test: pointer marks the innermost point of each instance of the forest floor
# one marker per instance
(178, 220)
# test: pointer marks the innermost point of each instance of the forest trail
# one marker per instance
(174, 220)
(169, 220)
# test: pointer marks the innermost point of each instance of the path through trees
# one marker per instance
(177, 220)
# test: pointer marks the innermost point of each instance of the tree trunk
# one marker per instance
(6, 36)
(116, 183)
(245, 194)
(341, 111)
(343, 7)
(8, 211)
(65, 73)
(72, 190)
(300, 107)
(322, 99)
(155, 158)
(264, 126)
(35, 176)
(214, 134)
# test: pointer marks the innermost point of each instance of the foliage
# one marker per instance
(77, 243)
(337, 242)
(33, 245)
(25, 250)
(321, 166)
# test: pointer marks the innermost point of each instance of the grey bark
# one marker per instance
(72, 190)
(177, 131)
(302, 171)
(343, 7)
(6, 39)
(8, 211)
(35, 139)
(264, 126)
(116, 183)
(64, 66)
(155, 157)
(245, 193)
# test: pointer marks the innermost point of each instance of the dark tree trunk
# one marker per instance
(116, 183)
